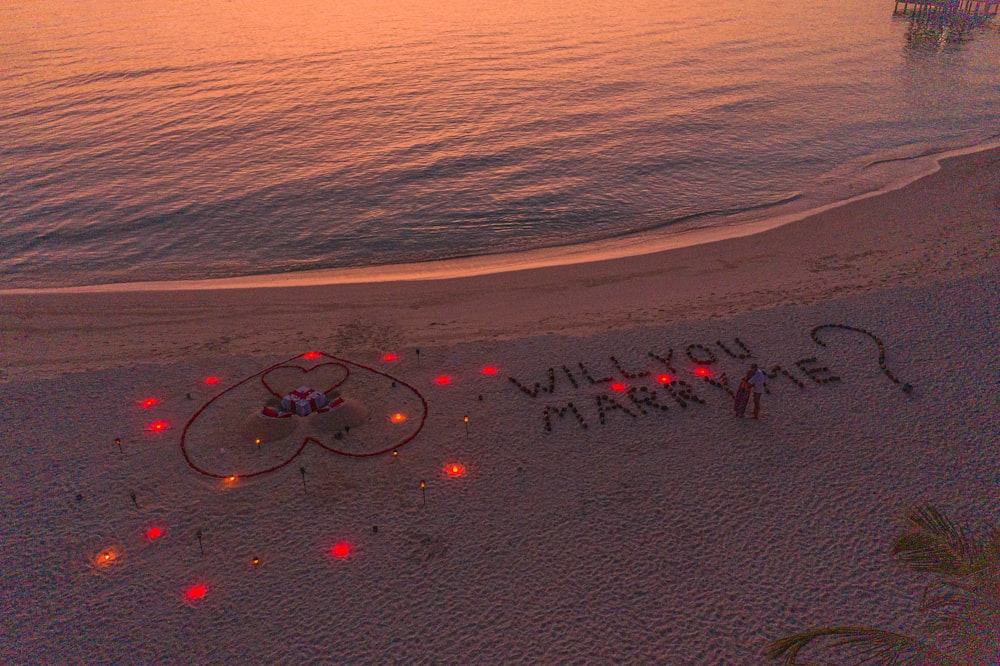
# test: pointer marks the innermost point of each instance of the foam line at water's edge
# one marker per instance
(642, 243)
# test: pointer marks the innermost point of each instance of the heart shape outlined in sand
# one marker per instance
(335, 361)
(286, 390)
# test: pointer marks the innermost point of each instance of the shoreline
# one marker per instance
(620, 247)
(937, 227)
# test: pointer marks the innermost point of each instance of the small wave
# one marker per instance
(716, 213)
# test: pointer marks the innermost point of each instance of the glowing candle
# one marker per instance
(106, 557)
(398, 417)
(342, 550)
(443, 380)
(211, 380)
(389, 357)
(149, 402)
(490, 370)
(455, 469)
(312, 354)
(195, 592)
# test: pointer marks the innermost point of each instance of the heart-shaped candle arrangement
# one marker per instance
(325, 377)
(350, 399)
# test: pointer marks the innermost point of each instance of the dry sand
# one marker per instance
(676, 536)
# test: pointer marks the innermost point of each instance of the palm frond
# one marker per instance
(981, 588)
(874, 646)
(934, 544)
(991, 549)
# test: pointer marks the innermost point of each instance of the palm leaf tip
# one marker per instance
(872, 646)
(935, 544)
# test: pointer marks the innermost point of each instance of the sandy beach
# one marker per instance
(653, 528)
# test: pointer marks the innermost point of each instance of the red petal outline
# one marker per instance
(307, 440)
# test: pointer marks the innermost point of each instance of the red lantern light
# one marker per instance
(389, 357)
(342, 550)
(149, 402)
(702, 372)
(454, 469)
(211, 380)
(158, 426)
(443, 380)
(154, 533)
(664, 379)
(312, 354)
(618, 386)
(398, 417)
(490, 370)
(195, 592)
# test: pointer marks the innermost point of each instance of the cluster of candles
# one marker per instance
(340, 550)
(681, 391)
(155, 426)
(161, 425)
(112, 554)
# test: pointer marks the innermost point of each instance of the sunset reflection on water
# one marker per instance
(209, 139)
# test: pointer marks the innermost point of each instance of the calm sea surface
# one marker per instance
(188, 139)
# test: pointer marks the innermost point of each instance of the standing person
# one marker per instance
(742, 395)
(757, 380)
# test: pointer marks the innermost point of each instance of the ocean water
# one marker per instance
(218, 138)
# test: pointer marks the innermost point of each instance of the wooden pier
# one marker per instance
(971, 8)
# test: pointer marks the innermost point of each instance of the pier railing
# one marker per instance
(947, 7)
